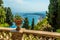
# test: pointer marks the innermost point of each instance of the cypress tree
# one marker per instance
(53, 14)
(26, 23)
(32, 25)
(58, 18)
(9, 16)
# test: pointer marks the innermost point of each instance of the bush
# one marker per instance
(4, 25)
(58, 30)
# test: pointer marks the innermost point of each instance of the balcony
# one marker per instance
(24, 34)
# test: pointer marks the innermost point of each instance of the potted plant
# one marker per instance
(18, 21)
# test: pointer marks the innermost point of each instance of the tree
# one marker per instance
(58, 18)
(41, 24)
(32, 25)
(26, 23)
(1, 2)
(9, 16)
(53, 14)
(2, 15)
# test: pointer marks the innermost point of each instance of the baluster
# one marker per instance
(54, 38)
(45, 38)
(50, 39)
(23, 37)
(37, 37)
(41, 38)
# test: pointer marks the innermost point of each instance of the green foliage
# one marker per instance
(54, 14)
(5, 15)
(41, 24)
(18, 17)
(32, 25)
(4, 25)
(48, 28)
(2, 15)
(26, 23)
(58, 30)
(1, 2)
(9, 16)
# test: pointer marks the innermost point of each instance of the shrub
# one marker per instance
(58, 30)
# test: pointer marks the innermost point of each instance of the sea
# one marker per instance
(37, 17)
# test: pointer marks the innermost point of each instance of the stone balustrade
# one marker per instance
(23, 34)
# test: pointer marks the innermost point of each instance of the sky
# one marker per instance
(27, 5)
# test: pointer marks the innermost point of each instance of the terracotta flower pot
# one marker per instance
(18, 23)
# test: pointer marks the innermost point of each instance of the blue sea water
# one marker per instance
(30, 17)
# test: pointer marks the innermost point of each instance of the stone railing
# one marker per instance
(23, 34)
